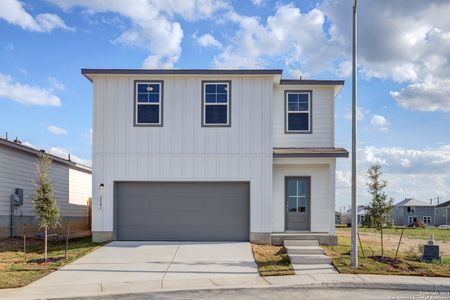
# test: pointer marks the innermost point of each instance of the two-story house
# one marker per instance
(212, 155)
(411, 210)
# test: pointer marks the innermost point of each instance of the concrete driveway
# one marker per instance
(156, 261)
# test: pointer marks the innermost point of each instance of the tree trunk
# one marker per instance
(382, 245)
(45, 244)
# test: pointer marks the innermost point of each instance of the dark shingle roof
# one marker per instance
(444, 204)
(413, 202)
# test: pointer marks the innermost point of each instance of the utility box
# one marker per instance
(431, 251)
(17, 197)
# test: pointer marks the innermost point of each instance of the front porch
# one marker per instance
(278, 238)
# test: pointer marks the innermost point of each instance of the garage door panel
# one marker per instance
(182, 211)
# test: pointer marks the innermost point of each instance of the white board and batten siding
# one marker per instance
(183, 150)
(18, 170)
(321, 170)
(322, 173)
(322, 118)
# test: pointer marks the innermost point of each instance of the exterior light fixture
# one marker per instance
(100, 198)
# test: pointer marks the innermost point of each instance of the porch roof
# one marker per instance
(310, 152)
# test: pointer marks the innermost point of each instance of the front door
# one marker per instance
(298, 199)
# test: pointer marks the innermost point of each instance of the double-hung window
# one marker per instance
(298, 111)
(427, 219)
(216, 103)
(148, 103)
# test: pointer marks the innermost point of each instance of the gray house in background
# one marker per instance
(72, 183)
(410, 210)
(442, 214)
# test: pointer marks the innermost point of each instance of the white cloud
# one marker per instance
(344, 69)
(152, 26)
(207, 40)
(56, 84)
(420, 173)
(88, 136)
(26, 94)
(431, 94)
(361, 113)
(258, 2)
(64, 153)
(57, 130)
(61, 152)
(13, 12)
(279, 37)
(379, 122)
(408, 43)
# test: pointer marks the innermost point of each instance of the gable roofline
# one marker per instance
(338, 84)
(35, 152)
(413, 202)
(444, 204)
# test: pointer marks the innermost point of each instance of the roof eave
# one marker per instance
(311, 155)
(88, 73)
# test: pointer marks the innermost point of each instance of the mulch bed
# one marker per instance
(386, 260)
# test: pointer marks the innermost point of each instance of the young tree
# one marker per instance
(44, 198)
(379, 206)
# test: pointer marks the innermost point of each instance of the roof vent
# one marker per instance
(42, 151)
(300, 77)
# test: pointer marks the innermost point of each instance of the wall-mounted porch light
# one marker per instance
(100, 198)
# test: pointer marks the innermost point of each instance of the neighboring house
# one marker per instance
(442, 213)
(360, 215)
(212, 155)
(410, 210)
(71, 181)
(337, 217)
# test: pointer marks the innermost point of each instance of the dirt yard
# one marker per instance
(409, 245)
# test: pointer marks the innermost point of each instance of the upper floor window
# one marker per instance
(148, 103)
(298, 111)
(427, 219)
(216, 103)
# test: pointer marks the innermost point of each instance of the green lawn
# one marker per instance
(15, 272)
(418, 233)
(409, 263)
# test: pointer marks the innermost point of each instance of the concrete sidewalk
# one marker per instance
(416, 283)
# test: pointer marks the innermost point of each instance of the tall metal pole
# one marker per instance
(354, 251)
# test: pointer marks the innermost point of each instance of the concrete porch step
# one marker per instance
(309, 259)
(278, 238)
(288, 243)
(304, 250)
(314, 269)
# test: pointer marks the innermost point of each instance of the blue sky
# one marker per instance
(404, 88)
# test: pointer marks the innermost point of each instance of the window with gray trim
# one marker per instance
(148, 103)
(216, 104)
(298, 112)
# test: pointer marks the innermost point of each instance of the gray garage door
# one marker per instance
(186, 211)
